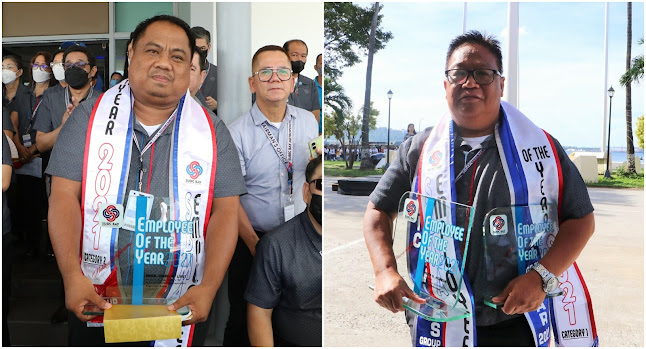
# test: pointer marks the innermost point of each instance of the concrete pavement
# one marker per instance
(612, 264)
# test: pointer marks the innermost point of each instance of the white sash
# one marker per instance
(533, 174)
(108, 149)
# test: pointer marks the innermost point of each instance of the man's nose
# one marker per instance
(163, 61)
(471, 81)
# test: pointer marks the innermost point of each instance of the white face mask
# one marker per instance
(39, 75)
(8, 76)
(59, 72)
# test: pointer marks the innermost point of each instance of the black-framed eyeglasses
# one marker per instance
(319, 183)
(265, 75)
(481, 76)
(80, 64)
(40, 66)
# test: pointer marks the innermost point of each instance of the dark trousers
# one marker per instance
(79, 335)
(6, 286)
(510, 333)
(31, 208)
(235, 334)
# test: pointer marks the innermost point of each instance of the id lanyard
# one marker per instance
(68, 100)
(469, 164)
(287, 160)
(148, 145)
(33, 114)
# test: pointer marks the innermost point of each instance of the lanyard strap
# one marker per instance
(149, 144)
(287, 160)
(469, 164)
(68, 100)
(33, 114)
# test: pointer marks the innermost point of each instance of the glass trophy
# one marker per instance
(430, 242)
(143, 250)
(515, 238)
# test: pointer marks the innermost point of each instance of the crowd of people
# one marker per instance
(255, 186)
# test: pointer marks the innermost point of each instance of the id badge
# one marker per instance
(288, 211)
(26, 140)
(129, 220)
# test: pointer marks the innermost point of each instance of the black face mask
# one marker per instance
(76, 77)
(298, 66)
(316, 208)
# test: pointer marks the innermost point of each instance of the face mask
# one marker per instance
(319, 70)
(8, 76)
(298, 66)
(113, 82)
(76, 77)
(39, 75)
(59, 72)
(316, 208)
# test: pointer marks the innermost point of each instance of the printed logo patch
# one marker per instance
(411, 210)
(194, 169)
(498, 224)
(111, 216)
(435, 158)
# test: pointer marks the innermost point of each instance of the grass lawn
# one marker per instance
(337, 169)
(620, 179)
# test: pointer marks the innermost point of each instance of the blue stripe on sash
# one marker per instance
(140, 248)
(419, 271)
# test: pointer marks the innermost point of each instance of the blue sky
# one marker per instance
(561, 71)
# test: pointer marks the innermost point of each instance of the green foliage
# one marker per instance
(636, 71)
(640, 131)
(347, 33)
(621, 178)
(345, 127)
(335, 97)
(338, 169)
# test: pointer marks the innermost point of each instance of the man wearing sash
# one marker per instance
(272, 142)
(144, 137)
(474, 156)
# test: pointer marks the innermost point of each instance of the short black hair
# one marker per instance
(266, 49)
(286, 45)
(90, 57)
(201, 33)
(57, 52)
(111, 75)
(15, 59)
(141, 28)
(475, 37)
(317, 57)
(311, 167)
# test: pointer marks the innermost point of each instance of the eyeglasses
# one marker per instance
(10, 67)
(55, 64)
(80, 64)
(319, 183)
(265, 75)
(481, 76)
(39, 66)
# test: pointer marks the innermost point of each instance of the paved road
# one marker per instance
(612, 264)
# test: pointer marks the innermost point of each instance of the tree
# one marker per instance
(640, 131)
(345, 127)
(630, 147)
(335, 97)
(365, 129)
(636, 71)
(347, 36)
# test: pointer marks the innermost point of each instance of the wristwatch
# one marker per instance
(550, 282)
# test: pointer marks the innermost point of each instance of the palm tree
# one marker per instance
(630, 147)
(335, 97)
(365, 128)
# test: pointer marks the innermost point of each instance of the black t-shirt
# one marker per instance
(286, 276)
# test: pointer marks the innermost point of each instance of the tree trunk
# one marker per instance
(630, 148)
(365, 127)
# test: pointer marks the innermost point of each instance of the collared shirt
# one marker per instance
(50, 113)
(25, 102)
(210, 85)
(264, 172)
(6, 120)
(305, 94)
(320, 91)
(286, 276)
(11, 103)
(490, 190)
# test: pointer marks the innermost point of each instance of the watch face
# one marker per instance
(551, 284)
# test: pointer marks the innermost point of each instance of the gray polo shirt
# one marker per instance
(50, 113)
(264, 173)
(67, 161)
(25, 102)
(6, 120)
(305, 95)
(210, 84)
(490, 187)
(286, 276)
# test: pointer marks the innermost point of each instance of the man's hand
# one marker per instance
(23, 153)
(199, 299)
(523, 294)
(80, 295)
(212, 103)
(389, 290)
(69, 110)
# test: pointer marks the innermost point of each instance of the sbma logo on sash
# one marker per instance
(435, 158)
(499, 225)
(111, 216)
(194, 170)
(411, 210)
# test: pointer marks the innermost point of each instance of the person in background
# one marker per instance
(198, 73)
(410, 132)
(284, 297)
(209, 88)
(319, 86)
(115, 78)
(11, 84)
(305, 94)
(7, 167)
(58, 70)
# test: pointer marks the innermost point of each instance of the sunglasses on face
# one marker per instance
(318, 183)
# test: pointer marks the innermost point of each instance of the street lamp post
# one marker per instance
(611, 92)
(390, 97)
